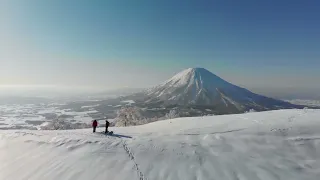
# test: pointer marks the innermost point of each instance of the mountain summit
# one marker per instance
(199, 87)
(193, 85)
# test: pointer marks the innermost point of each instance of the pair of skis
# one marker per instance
(108, 133)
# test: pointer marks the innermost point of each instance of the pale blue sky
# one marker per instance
(111, 44)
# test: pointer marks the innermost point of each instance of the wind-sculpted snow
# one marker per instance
(273, 145)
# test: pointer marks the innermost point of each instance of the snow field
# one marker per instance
(283, 144)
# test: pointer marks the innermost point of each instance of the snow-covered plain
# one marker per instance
(31, 116)
(274, 145)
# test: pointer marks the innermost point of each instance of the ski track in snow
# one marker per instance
(131, 156)
(270, 145)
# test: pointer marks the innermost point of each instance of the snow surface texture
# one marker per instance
(274, 145)
(199, 86)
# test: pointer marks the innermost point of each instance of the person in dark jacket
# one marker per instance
(94, 125)
(107, 125)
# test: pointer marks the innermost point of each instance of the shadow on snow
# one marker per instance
(116, 135)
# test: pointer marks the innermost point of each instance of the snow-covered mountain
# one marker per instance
(200, 87)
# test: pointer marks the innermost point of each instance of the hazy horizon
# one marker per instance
(268, 47)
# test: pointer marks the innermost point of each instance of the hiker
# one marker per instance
(94, 125)
(107, 125)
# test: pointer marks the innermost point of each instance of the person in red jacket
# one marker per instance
(94, 125)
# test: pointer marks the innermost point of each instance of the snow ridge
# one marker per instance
(269, 145)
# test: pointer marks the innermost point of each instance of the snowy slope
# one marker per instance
(283, 144)
(198, 86)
